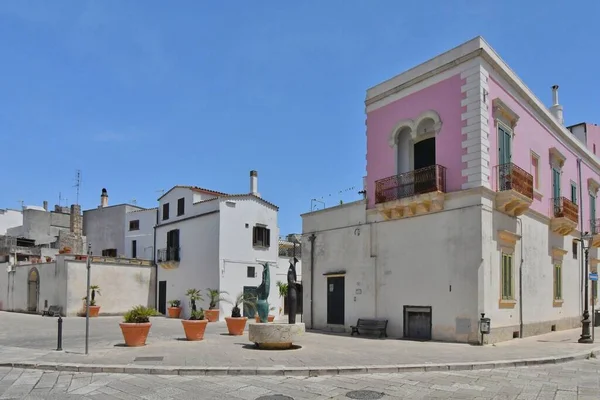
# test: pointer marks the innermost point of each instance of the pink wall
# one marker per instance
(443, 97)
(529, 136)
(593, 137)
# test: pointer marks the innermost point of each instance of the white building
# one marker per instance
(122, 230)
(207, 239)
(10, 219)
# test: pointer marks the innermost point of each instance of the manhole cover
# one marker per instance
(148, 359)
(364, 395)
(275, 397)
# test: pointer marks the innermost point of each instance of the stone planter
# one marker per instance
(236, 326)
(275, 336)
(135, 334)
(194, 329)
(211, 315)
(174, 312)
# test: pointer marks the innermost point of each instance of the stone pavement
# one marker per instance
(569, 381)
(29, 340)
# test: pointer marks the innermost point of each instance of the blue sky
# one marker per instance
(141, 95)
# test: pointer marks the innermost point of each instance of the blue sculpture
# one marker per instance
(262, 293)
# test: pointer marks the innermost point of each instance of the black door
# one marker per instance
(417, 323)
(335, 300)
(424, 178)
(250, 291)
(162, 297)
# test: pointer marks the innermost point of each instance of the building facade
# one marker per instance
(113, 232)
(10, 219)
(208, 239)
(476, 199)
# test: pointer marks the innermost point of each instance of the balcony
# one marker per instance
(514, 187)
(564, 215)
(595, 231)
(168, 258)
(411, 193)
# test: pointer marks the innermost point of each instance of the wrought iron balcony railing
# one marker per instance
(595, 226)
(168, 254)
(562, 207)
(412, 183)
(512, 177)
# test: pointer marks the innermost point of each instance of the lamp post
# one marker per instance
(586, 323)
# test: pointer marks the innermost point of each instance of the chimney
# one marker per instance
(104, 198)
(76, 220)
(556, 110)
(254, 183)
(45, 205)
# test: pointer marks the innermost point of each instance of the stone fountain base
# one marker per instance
(275, 336)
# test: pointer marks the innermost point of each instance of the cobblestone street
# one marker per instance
(576, 380)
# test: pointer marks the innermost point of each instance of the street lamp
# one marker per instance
(586, 336)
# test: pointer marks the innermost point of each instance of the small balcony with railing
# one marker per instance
(514, 189)
(595, 232)
(412, 193)
(168, 256)
(564, 216)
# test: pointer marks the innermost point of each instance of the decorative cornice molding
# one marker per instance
(508, 238)
(558, 253)
(503, 112)
(557, 156)
(593, 185)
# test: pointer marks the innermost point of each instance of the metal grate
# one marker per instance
(364, 395)
(151, 358)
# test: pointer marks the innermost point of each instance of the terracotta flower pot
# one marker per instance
(174, 312)
(94, 311)
(194, 330)
(236, 326)
(271, 318)
(211, 315)
(135, 334)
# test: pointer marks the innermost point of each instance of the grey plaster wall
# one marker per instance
(41, 226)
(105, 228)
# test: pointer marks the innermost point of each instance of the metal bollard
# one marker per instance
(59, 339)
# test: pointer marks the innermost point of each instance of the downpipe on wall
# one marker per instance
(312, 238)
(520, 222)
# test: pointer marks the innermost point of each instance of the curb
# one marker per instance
(297, 371)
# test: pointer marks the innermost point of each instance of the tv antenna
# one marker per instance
(77, 184)
(22, 204)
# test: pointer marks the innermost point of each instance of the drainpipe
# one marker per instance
(521, 281)
(155, 265)
(312, 277)
(583, 277)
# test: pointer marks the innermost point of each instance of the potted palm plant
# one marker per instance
(174, 308)
(136, 325)
(283, 289)
(236, 323)
(94, 309)
(195, 326)
(214, 296)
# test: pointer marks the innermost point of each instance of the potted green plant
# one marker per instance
(174, 308)
(214, 296)
(195, 326)
(94, 309)
(136, 325)
(236, 323)
(283, 290)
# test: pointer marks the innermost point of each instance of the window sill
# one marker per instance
(257, 246)
(537, 195)
(557, 303)
(507, 303)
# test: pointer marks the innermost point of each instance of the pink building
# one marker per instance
(477, 196)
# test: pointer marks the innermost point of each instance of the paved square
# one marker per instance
(576, 380)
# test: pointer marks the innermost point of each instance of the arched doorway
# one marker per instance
(33, 290)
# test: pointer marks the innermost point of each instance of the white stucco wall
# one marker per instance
(144, 237)
(14, 286)
(10, 219)
(236, 253)
(122, 286)
(105, 228)
(430, 260)
(199, 253)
